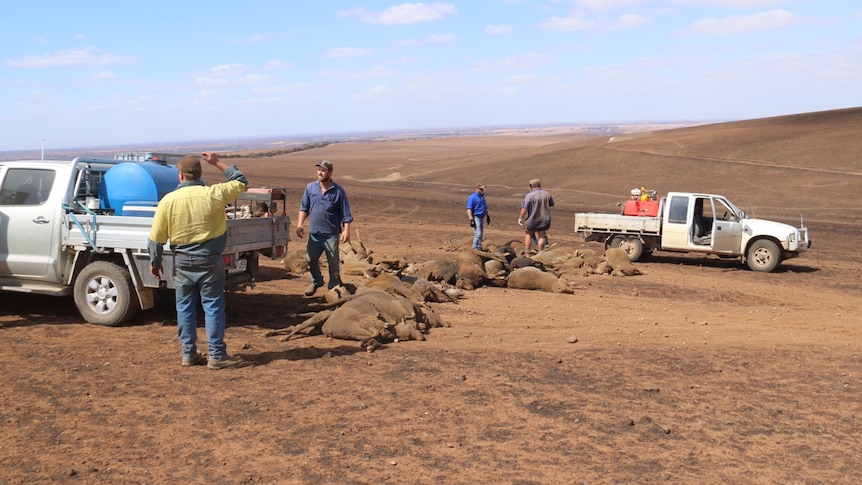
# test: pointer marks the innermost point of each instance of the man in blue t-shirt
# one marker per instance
(477, 212)
(325, 205)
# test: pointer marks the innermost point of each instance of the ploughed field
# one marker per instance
(697, 371)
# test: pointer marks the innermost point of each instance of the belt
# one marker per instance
(192, 255)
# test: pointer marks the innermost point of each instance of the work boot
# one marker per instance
(312, 289)
(226, 363)
(193, 360)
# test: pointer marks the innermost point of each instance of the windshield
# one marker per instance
(735, 211)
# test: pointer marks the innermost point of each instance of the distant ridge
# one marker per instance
(289, 142)
(764, 132)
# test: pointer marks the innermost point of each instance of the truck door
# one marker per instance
(727, 230)
(674, 231)
(27, 222)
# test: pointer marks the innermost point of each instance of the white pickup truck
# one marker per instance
(81, 227)
(697, 223)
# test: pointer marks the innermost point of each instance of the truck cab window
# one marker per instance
(678, 210)
(26, 187)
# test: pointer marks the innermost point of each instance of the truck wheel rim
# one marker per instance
(762, 256)
(101, 294)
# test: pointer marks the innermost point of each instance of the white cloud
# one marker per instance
(428, 39)
(375, 92)
(739, 4)
(441, 38)
(406, 13)
(523, 78)
(411, 13)
(252, 39)
(346, 52)
(521, 62)
(273, 64)
(404, 60)
(409, 43)
(629, 21)
(285, 92)
(498, 29)
(103, 76)
(578, 22)
(739, 24)
(227, 69)
(79, 57)
(373, 72)
(210, 81)
(207, 93)
(607, 4)
(566, 24)
(255, 79)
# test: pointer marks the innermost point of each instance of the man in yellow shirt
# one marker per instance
(192, 217)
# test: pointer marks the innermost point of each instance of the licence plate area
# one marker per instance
(239, 266)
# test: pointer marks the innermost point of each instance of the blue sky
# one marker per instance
(95, 73)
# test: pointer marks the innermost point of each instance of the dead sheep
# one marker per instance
(416, 289)
(591, 257)
(387, 262)
(442, 270)
(494, 268)
(295, 263)
(531, 278)
(471, 270)
(371, 316)
(458, 244)
(433, 292)
(523, 262)
(359, 268)
(620, 263)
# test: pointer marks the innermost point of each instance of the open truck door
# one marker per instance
(727, 228)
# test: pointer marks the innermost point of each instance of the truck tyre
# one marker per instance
(104, 294)
(631, 245)
(763, 255)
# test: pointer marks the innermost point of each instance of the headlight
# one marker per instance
(792, 237)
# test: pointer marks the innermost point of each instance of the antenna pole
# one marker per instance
(43, 149)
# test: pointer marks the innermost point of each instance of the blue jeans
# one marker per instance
(478, 231)
(316, 246)
(200, 279)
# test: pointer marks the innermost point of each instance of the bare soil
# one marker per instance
(697, 371)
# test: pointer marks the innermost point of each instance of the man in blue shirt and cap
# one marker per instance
(325, 205)
(477, 212)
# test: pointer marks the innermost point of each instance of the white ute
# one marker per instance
(694, 223)
(66, 228)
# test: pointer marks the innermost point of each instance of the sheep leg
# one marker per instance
(317, 319)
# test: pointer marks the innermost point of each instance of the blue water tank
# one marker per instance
(134, 189)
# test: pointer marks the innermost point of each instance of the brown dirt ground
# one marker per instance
(698, 371)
